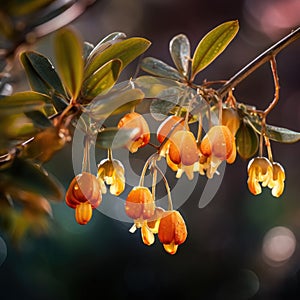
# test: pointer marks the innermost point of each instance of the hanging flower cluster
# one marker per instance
(201, 126)
(185, 152)
(225, 129)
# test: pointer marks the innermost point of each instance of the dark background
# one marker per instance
(222, 257)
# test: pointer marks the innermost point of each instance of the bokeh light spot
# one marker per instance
(279, 245)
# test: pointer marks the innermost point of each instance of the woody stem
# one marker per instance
(259, 61)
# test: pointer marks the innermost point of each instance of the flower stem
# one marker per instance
(146, 165)
(170, 203)
(86, 165)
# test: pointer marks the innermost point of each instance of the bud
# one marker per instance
(231, 119)
(246, 141)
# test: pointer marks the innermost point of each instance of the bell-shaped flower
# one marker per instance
(142, 138)
(260, 170)
(216, 146)
(111, 172)
(172, 231)
(182, 153)
(83, 194)
(140, 204)
(276, 183)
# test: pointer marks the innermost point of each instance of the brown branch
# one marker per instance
(259, 61)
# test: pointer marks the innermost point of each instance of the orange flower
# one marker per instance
(182, 153)
(140, 204)
(83, 195)
(135, 120)
(171, 123)
(172, 231)
(111, 171)
(217, 145)
(260, 170)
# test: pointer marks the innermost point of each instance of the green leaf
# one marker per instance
(126, 51)
(35, 81)
(152, 86)
(180, 52)
(107, 42)
(165, 101)
(69, 57)
(24, 175)
(102, 80)
(114, 103)
(59, 102)
(212, 45)
(277, 134)
(41, 73)
(39, 119)
(22, 102)
(114, 137)
(159, 68)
